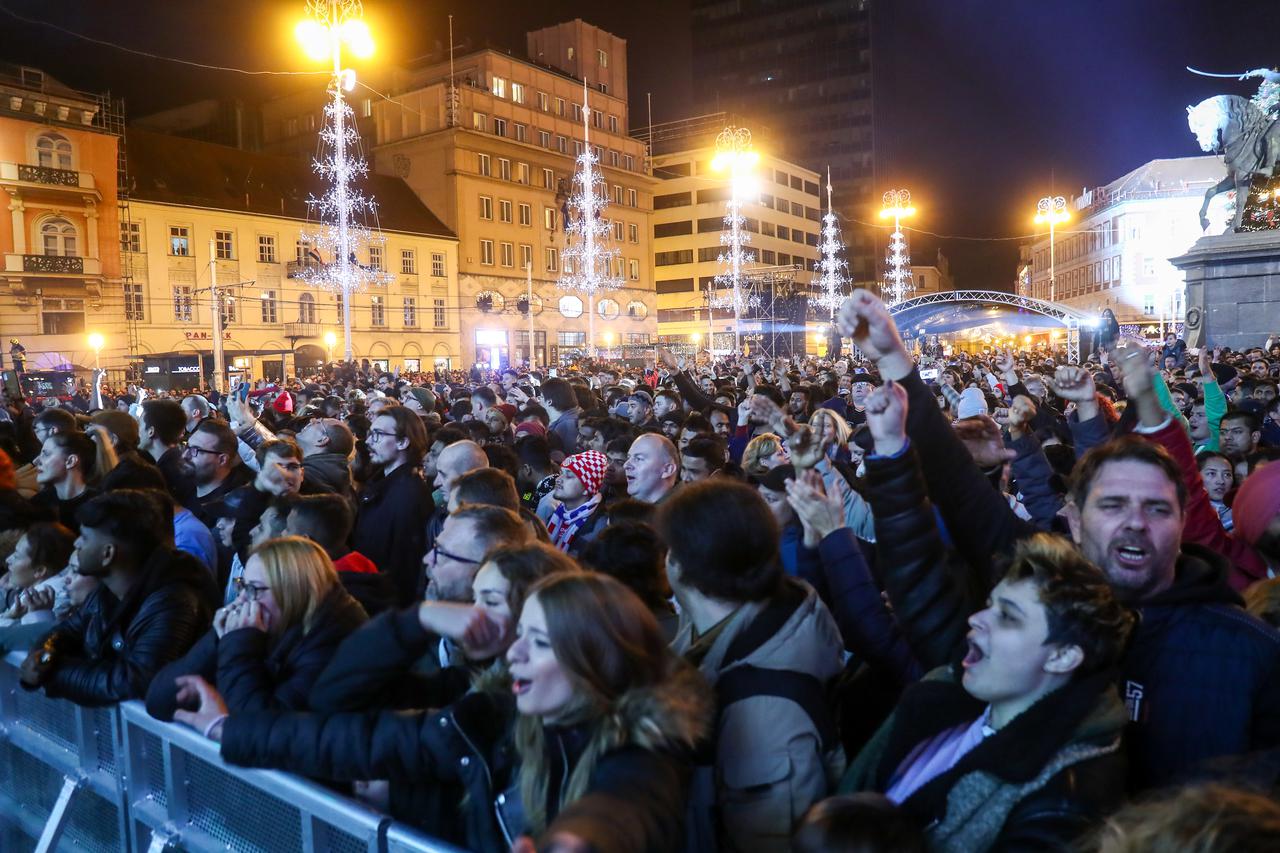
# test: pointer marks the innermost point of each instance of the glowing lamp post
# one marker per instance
(896, 205)
(330, 26)
(330, 339)
(96, 343)
(735, 157)
(1052, 209)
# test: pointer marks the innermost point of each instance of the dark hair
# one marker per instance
(1079, 604)
(493, 525)
(408, 426)
(697, 422)
(341, 439)
(536, 412)
(857, 823)
(709, 448)
(1128, 448)
(621, 444)
(166, 418)
(328, 519)
(59, 420)
(460, 408)
(586, 400)
(121, 425)
(447, 435)
(50, 545)
(286, 447)
(534, 451)
(1205, 455)
(669, 394)
(79, 444)
(523, 566)
(724, 539)
(772, 393)
(487, 486)
(485, 395)
(559, 394)
(131, 518)
(631, 552)
(1251, 420)
(502, 458)
(224, 437)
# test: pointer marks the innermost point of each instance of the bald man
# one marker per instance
(653, 466)
(455, 460)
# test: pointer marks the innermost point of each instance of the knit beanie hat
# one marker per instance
(973, 402)
(426, 399)
(283, 403)
(530, 428)
(589, 467)
(1257, 502)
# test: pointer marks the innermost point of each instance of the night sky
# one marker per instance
(982, 105)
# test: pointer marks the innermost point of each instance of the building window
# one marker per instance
(228, 312)
(62, 316)
(551, 258)
(179, 241)
(131, 237)
(526, 256)
(482, 165)
(410, 312)
(480, 122)
(306, 308)
(544, 138)
(522, 133)
(486, 207)
(499, 127)
(559, 106)
(614, 158)
(408, 262)
(504, 210)
(269, 306)
(562, 145)
(617, 194)
(602, 59)
(544, 102)
(577, 113)
(134, 303)
(617, 230)
(629, 161)
(522, 173)
(302, 251)
(637, 310)
(517, 93)
(549, 218)
(375, 258)
(633, 232)
(223, 246)
(578, 148)
(507, 254)
(53, 151)
(1148, 304)
(58, 237)
(182, 303)
(437, 264)
(632, 198)
(378, 311)
(486, 252)
(437, 312)
(504, 168)
(633, 269)
(613, 126)
(499, 87)
(607, 309)
(570, 307)
(549, 179)
(266, 249)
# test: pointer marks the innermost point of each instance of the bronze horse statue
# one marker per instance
(1248, 140)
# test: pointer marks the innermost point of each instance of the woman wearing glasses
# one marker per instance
(587, 744)
(268, 645)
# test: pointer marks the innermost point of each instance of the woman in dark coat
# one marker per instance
(586, 738)
(267, 647)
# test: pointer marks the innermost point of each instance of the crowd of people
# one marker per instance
(884, 602)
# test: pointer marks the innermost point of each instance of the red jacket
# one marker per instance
(355, 562)
(1201, 525)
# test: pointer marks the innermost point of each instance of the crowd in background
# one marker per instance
(882, 602)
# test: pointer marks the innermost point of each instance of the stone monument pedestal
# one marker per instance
(1233, 289)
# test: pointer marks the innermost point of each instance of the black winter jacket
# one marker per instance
(254, 671)
(391, 527)
(109, 650)
(635, 800)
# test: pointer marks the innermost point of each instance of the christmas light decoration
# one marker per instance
(346, 218)
(1053, 210)
(831, 268)
(588, 260)
(734, 155)
(897, 204)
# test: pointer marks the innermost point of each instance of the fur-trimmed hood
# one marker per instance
(671, 715)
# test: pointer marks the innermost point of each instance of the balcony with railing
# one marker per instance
(302, 269)
(52, 265)
(302, 330)
(47, 178)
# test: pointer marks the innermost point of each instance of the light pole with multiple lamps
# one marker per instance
(735, 156)
(1052, 209)
(896, 204)
(96, 343)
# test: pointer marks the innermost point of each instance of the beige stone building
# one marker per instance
(494, 153)
(201, 212)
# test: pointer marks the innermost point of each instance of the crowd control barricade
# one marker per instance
(115, 779)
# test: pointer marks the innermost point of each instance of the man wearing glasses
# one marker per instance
(395, 506)
(213, 455)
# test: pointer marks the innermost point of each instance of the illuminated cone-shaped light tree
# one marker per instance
(588, 260)
(346, 219)
(734, 155)
(898, 284)
(831, 268)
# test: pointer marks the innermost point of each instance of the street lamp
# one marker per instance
(96, 343)
(1052, 209)
(329, 340)
(896, 205)
(331, 25)
(735, 156)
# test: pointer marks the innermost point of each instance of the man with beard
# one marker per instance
(395, 506)
(212, 453)
(160, 427)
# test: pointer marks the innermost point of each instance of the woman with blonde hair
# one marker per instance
(588, 744)
(763, 453)
(267, 647)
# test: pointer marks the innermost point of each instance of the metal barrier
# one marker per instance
(115, 779)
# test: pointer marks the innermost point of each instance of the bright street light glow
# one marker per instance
(96, 342)
(314, 38)
(330, 339)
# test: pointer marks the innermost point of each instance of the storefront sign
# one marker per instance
(205, 336)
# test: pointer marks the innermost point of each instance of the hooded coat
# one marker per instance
(635, 800)
(109, 650)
